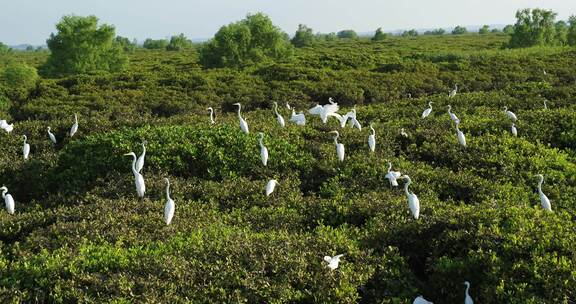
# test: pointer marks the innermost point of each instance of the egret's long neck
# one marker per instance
(4, 193)
(540, 184)
(134, 164)
(430, 105)
(276, 108)
(260, 141)
(389, 167)
(373, 132)
(239, 108)
(336, 140)
(467, 288)
(168, 190)
(406, 187)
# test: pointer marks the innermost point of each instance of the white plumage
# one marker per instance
(26, 148)
(339, 146)
(51, 136)
(413, 202)
(279, 117)
(263, 149)
(544, 201)
(372, 139)
(427, 111)
(8, 200)
(270, 186)
(243, 123)
(333, 262)
(169, 207)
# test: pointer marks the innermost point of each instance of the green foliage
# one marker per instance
(303, 36)
(534, 27)
(347, 34)
(81, 46)
(152, 44)
(571, 35)
(459, 30)
(485, 29)
(508, 29)
(19, 79)
(4, 49)
(438, 31)
(125, 44)
(251, 40)
(379, 35)
(410, 33)
(179, 42)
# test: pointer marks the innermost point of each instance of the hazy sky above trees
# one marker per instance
(31, 21)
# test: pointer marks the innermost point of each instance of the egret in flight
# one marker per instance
(413, 202)
(140, 161)
(278, 116)
(8, 200)
(212, 121)
(243, 123)
(74, 127)
(461, 137)
(298, 119)
(544, 201)
(339, 146)
(421, 300)
(372, 139)
(263, 149)
(513, 130)
(169, 207)
(427, 111)
(468, 298)
(333, 261)
(453, 92)
(51, 136)
(138, 178)
(326, 110)
(270, 186)
(510, 114)
(452, 115)
(26, 148)
(392, 176)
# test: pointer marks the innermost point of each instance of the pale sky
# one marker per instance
(32, 21)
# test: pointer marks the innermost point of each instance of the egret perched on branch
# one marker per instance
(413, 202)
(452, 115)
(333, 261)
(339, 146)
(421, 300)
(169, 207)
(427, 111)
(372, 139)
(74, 127)
(8, 200)
(270, 186)
(468, 298)
(453, 92)
(392, 176)
(51, 136)
(278, 116)
(510, 114)
(298, 119)
(138, 178)
(513, 130)
(7, 127)
(140, 161)
(26, 148)
(460, 134)
(212, 121)
(263, 149)
(243, 123)
(544, 201)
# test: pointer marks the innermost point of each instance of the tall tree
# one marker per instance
(347, 34)
(459, 30)
(508, 29)
(245, 42)
(379, 35)
(534, 27)
(484, 30)
(155, 44)
(178, 43)
(125, 43)
(4, 49)
(571, 39)
(303, 36)
(81, 46)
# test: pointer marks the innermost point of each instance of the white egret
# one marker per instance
(74, 127)
(354, 123)
(413, 202)
(421, 300)
(263, 149)
(461, 137)
(510, 114)
(138, 178)
(140, 161)
(9, 128)
(209, 109)
(392, 176)
(452, 115)
(26, 148)
(298, 119)
(339, 146)
(403, 133)
(544, 201)
(3, 123)
(468, 298)
(326, 110)
(333, 261)
(372, 139)
(427, 111)
(243, 123)
(278, 116)
(513, 130)
(270, 186)
(288, 106)
(453, 92)
(51, 136)
(8, 200)
(169, 207)
(545, 105)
